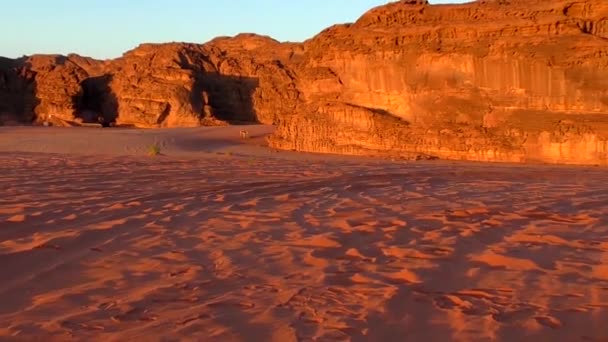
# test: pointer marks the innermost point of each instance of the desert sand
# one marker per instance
(223, 239)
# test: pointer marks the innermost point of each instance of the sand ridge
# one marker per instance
(249, 247)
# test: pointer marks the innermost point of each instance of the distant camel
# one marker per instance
(244, 134)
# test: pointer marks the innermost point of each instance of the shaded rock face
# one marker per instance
(493, 80)
(17, 93)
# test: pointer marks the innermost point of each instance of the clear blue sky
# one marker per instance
(107, 28)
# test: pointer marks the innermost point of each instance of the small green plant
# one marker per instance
(154, 150)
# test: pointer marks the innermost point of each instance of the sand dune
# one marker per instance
(256, 245)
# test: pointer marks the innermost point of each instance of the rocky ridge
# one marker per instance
(502, 80)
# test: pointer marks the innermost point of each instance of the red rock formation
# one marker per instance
(152, 89)
(491, 80)
(162, 85)
(57, 81)
(248, 78)
(43, 87)
(504, 80)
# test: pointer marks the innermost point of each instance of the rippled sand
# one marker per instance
(260, 247)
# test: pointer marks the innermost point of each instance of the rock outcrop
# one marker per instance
(228, 80)
(492, 80)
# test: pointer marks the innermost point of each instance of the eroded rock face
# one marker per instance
(493, 80)
(57, 84)
(238, 79)
(43, 87)
(249, 79)
(150, 88)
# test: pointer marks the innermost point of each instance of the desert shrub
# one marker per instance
(154, 150)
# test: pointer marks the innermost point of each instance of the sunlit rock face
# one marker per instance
(490, 80)
(228, 80)
(503, 80)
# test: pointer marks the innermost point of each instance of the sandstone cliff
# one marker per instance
(227, 80)
(491, 80)
(502, 80)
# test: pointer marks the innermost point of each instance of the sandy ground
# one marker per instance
(182, 142)
(223, 240)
